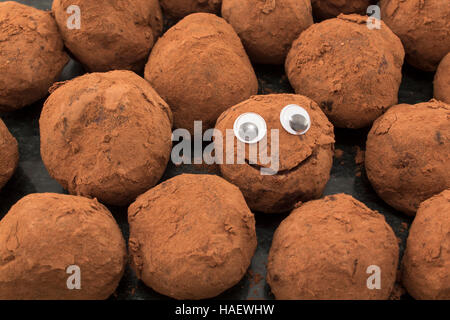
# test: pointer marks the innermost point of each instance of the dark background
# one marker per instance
(347, 176)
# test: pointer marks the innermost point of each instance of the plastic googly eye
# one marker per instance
(250, 127)
(295, 119)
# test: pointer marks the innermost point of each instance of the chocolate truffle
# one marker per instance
(31, 55)
(201, 69)
(326, 9)
(267, 29)
(423, 27)
(352, 72)
(407, 154)
(192, 237)
(304, 161)
(426, 263)
(106, 135)
(329, 249)
(180, 8)
(9, 154)
(47, 240)
(442, 80)
(111, 35)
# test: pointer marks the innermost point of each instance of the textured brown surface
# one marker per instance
(408, 152)
(180, 8)
(31, 55)
(106, 135)
(305, 161)
(268, 28)
(9, 154)
(423, 27)
(201, 69)
(442, 80)
(426, 263)
(113, 34)
(45, 233)
(326, 9)
(337, 64)
(191, 237)
(323, 249)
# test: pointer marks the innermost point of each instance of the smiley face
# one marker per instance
(293, 132)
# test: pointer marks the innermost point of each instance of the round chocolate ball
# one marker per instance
(178, 9)
(105, 35)
(333, 248)
(426, 263)
(191, 237)
(407, 154)
(326, 9)
(299, 155)
(423, 27)
(32, 55)
(267, 29)
(352, 72)
(59, 247)
(106, 135)
(9, 154)
(442, 80)
(201, 69)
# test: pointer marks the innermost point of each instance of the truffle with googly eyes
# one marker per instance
(191, 237)
(111, 35)
(9, 154)
(180, 8)
(32, 55)
(268, 28)
(442, 80)
(60, 247)
(332, 249)
(352, 72)
(407, 154)
(295, 142)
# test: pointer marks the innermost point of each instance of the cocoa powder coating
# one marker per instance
(113, 35)
(191, 237)
(9, 154)
(31, 55)
(426, 263)
(323, 249)
(326, 9)
(305, 161)
(43, 234)
(442, 80)
(201, 69)
(268, 28)
(352, 72)
(408, 152)
(423, 27)
(180, 8)
(106, 135)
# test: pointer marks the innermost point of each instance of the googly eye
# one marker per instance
(295, 119)
(250, 127)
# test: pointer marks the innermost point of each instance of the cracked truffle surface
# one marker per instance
(268, 28)
(191, 237)
(113, 35)
(201, 69)
(106, 135)
(423, 27)
(442, 80)
(336, 64)
(304, 162)
(323, 249)
(43, 234)
(9, 154)
(31, 55)
(180, 8)
(407, 154)
(426, 263)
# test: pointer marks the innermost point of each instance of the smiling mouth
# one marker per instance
(286, 171)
